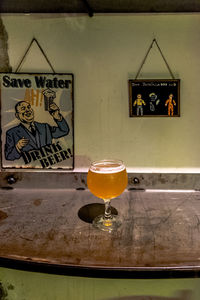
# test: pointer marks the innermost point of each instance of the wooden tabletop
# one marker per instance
(160, 231)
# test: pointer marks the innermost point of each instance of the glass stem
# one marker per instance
(107, 214)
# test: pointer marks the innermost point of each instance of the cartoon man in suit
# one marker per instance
(29, 134)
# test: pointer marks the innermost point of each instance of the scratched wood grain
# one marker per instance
(159, 230)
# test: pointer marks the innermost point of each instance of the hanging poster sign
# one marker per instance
(37, 121)
(154, 97)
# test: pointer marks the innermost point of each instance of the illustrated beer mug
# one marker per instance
(49, 97)
(107, 179)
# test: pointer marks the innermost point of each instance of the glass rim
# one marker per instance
(107, 166)
(112, 160)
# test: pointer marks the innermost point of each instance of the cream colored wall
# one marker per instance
(21, 285)
(104, 52)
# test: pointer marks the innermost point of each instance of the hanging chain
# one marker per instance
(143, 62)
(25, 54)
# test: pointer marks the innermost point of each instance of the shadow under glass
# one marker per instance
(89, 212)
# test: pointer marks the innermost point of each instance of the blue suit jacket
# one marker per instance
(45, 134)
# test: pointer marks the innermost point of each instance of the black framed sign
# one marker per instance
(37, 121)
(154, 97)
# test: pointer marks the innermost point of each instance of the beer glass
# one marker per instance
(107, 179)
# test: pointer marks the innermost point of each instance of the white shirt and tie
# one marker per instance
(33, 132)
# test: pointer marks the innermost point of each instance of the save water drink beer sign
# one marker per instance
(37, 121)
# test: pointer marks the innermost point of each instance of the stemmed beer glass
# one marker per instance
(107, 179)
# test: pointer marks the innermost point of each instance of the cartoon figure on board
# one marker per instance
(170, 102)
(30, 135)
(139, 102)
(154, 101)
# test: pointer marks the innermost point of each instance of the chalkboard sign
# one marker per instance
(154, 97)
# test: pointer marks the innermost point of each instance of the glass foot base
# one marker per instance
(104, 224)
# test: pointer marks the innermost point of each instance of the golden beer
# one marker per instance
(107, 179)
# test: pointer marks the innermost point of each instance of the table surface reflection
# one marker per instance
(160, 230)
